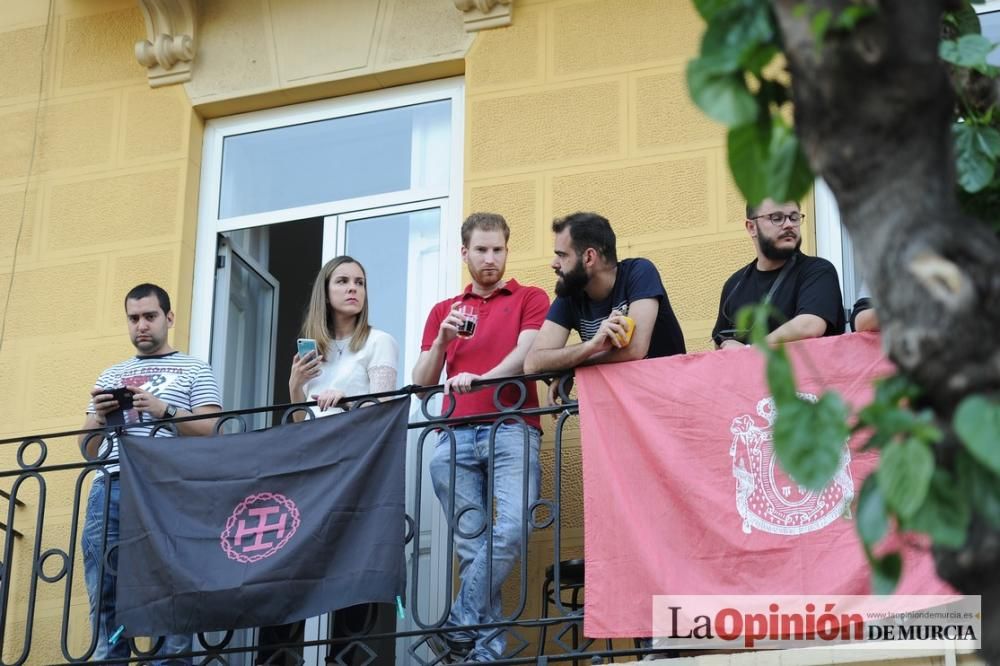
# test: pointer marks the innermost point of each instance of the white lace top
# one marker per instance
(370, 370)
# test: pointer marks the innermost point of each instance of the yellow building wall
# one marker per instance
(580, 104)
(98, 192)
(583, 105)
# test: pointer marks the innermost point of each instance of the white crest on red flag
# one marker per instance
(766, 497)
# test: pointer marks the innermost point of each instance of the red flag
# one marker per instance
(683, 495)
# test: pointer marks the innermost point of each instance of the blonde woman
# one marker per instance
(352, 358)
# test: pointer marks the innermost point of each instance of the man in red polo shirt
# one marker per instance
(505, 317)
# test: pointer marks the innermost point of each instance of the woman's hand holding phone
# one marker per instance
(304, 368)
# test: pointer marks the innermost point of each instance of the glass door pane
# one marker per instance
(243, 344)
(337, 158)
(401, 254)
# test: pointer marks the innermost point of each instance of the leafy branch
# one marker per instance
(908, 488)
(933, 476)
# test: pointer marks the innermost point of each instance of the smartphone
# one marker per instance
(306, 345)
(122, 395)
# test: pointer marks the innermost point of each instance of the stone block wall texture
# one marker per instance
(97, 177)
(583, 105)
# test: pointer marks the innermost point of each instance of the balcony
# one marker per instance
(44, 615)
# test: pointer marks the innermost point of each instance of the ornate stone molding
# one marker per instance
(483, 14)
(169, 51)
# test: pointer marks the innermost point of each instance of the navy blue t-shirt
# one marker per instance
(636, 279)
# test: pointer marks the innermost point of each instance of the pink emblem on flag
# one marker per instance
(259, 527)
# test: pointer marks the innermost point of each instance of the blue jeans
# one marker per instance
(478, 600)
(104, 617)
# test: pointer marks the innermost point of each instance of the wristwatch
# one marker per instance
(170, 412)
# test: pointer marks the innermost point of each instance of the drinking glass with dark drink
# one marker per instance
(470, 316)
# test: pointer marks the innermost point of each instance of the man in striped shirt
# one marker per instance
(594, 294)
(161, 383)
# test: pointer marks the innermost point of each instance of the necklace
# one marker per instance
(341, 348)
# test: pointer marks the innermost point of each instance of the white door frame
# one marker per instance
(431, 544)
(446, 197)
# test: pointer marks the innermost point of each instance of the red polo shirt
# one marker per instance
(502, 316)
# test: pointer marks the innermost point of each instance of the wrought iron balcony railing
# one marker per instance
(44, 605)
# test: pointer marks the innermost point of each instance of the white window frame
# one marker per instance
(216, 131)
(832, 242)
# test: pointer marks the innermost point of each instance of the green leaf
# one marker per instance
(765, 317)
(904, 475)
(889, 420)
(790, 175)
(975, 158)
(988, 140)
(894, 388)
(722, 96)
(852, 15)
(982, 487)
(885, 573)
(757, 59)
(819, 24)
(873, 520)
(977, 423)
(780, 378)
(809, 438)
(747, 146)
(738, 30)
(945, 513)
(965, 20)
(768, 162)
(709, 9)
(967, 51)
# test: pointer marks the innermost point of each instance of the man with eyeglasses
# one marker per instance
(804, 290)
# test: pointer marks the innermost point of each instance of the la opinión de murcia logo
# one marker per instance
(767, 498)
(259, 527)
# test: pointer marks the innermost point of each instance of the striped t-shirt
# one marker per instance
(178, 379)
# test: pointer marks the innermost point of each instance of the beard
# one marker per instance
(770, 250)
(572, 283)
(485, 277)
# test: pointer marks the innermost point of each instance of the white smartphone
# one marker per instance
(306, 345)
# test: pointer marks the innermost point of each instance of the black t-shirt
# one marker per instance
(811, 287)
(636, 279)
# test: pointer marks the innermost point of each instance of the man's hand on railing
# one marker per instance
(555, 396)
(462, 383)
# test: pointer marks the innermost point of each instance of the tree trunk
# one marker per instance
(874, 108)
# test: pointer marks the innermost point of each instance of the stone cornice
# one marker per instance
(168, 53)
(484, 14)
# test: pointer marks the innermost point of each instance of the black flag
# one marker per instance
(264, 527)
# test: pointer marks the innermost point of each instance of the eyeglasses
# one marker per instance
(778, 219)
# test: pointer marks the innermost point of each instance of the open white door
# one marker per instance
(245, 321)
